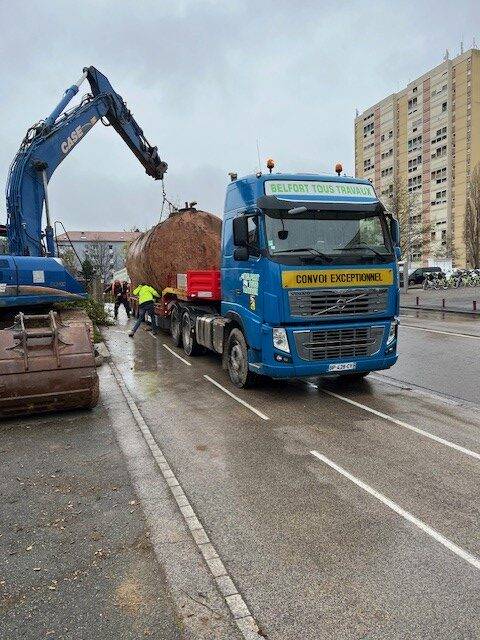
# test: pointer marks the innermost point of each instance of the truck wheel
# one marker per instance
(176, 325)
(190, 344)
(237, 360)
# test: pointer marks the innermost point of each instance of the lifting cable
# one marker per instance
(165, 200)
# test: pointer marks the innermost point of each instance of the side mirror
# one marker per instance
(240, 231)
(240, 254)
(395, 232)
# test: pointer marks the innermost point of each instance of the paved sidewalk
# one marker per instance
(77, 562)
(458, 300)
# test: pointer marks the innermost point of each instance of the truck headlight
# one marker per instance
(280, 340)
(392, 334)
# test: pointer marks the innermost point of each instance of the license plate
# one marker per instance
(342, 366)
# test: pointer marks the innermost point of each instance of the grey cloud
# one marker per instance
(205, 80)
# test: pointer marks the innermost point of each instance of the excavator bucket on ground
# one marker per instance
(47, 364)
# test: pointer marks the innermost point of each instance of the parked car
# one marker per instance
(419, 275)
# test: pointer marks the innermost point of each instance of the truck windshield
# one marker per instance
(329, 237)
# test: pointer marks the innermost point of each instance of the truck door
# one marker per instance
(248, 288)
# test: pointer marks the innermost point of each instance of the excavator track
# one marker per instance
(47, 364)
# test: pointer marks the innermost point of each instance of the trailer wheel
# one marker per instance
(176, 325)
(237, 360)
(190, 344)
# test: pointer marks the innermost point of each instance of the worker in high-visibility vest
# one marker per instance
(146, 304)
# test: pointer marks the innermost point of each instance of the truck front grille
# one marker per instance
(337, 302)
(332, 344)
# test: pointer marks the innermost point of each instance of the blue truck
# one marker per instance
(308, 281)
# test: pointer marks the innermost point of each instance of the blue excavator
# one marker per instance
(46, 356)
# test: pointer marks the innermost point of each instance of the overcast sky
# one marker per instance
(205, 80)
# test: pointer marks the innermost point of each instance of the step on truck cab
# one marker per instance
(308, 285)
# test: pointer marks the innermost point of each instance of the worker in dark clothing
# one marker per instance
(146, 304)
(114, 288)
(122, 299)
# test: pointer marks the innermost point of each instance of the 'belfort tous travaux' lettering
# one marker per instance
(312, 187)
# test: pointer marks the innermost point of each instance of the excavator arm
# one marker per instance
(47, 144)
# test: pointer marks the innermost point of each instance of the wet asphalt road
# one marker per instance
(375, 535)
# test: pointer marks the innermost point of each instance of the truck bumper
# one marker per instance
(296, 366)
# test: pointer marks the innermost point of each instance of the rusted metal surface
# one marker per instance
(47, 364)
(187, 240)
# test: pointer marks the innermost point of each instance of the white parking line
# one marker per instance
(241, 615)
(232, 395)
(405, 425)
(445, 333)
(177, 355)
(451, 546)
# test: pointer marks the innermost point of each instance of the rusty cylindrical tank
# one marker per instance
(188, 240)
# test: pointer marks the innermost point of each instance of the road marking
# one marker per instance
(451, 546)
(445, 333)
(232, 395)
(177, 355)
(244, 620)
(401, 423)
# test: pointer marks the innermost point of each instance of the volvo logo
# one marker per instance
(341, 303)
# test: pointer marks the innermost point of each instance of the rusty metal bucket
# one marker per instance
(46, 365)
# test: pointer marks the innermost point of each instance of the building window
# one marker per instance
(440, 175)
(368, 129)
(415, 143)
(440, 198)
(440, 152)
(368, 164)
(387, 172)
(414, 183)
(414, 163)
(440, 135)
(412, 105)
(444, 107)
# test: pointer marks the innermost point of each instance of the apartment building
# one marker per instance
(106, 249)
(427, 138)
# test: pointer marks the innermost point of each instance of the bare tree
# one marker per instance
(406, 207)
(70, 260)
(472, 220)
(102, 260)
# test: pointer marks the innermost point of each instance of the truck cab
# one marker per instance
(309, 277)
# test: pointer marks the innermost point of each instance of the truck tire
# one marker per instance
(237, 360)
(176, 325)
(189, 340)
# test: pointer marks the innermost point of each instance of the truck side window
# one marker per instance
(253, 241)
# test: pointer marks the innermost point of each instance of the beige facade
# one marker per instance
(427, 137)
